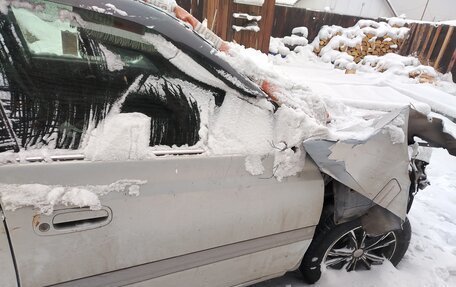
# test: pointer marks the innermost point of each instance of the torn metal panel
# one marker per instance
(430, 129)
(377, 168)
(348, 204)
(377, 221)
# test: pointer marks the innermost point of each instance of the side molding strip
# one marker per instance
(157, 269)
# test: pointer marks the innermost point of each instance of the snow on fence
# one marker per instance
(287, 18)
(222, 16)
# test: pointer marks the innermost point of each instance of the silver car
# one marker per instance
(178, 216)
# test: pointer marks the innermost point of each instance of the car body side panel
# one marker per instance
(228, 273)
(8, 274)
(188, 204)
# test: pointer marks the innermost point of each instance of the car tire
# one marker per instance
(334, 246)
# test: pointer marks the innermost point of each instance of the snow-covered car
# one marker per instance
(131, 154)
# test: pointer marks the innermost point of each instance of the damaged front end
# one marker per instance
(377, 178)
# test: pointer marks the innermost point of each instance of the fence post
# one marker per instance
(267, 14)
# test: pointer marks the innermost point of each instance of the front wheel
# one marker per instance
(347, 246)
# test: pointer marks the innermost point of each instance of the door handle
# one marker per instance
(71, 220)
(79, 218)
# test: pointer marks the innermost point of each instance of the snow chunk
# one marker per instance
(251, 27)
(254, 164)
(120, 137)
(250, 2)
(113, 61)
(46, 197)
(98, 9)
(246, 16)
(163, 46)
(295, 40)
(397, 22)
(300, 31)
(289, 162)
(4, 6)
(116, 10)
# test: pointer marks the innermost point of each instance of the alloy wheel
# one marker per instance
(355, 250)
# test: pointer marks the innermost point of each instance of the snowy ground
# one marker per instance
(431, 258)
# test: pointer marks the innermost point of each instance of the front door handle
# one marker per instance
(80, 218)
(71, 220)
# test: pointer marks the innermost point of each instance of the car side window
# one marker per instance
(66, 71)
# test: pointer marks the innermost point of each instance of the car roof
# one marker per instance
(174, 30)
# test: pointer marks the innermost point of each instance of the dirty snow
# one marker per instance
(45, 197)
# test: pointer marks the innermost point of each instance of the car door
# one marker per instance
(153, 203)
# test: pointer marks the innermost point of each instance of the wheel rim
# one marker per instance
(355, 250)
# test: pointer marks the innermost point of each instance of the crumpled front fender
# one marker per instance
(377, 168)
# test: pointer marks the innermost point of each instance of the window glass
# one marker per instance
(64, 78)
(45, 32)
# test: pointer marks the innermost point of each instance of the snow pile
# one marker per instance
(400, 65)
(284, 46)
(45, 197)
(302, 114)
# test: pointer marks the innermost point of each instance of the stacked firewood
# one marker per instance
(365, 38)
